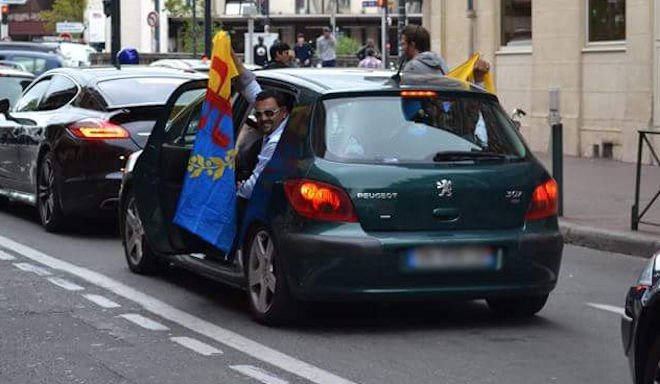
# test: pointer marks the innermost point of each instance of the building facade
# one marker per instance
(601, 54)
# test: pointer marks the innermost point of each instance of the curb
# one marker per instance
(625, 242)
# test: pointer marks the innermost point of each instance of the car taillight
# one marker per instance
(95, 129)
(319, 201)
(544, 201)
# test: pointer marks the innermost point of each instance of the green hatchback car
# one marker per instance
(378, 190)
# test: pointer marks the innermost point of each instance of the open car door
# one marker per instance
(159, 174)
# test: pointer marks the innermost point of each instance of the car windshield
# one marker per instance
(12, 87)
(153, 90)
(391, 129)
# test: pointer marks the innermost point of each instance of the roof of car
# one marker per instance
(98, 74)
(21, 46)
(6, 71)
(356, 79)
(20, 52)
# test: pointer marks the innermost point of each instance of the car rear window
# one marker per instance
(392, 129)
(138, 90)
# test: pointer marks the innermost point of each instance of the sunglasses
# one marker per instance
(266, 112)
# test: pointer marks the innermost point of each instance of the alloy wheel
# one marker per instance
(261, 274)
(134, 232)
(45, 191)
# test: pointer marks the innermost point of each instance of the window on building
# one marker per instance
(413, 6)
(607, 20)
(516, 23)
(241, 7)
(326, 6)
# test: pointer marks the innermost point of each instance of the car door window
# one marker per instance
(60, 91)
(30, 100)
(179, 122)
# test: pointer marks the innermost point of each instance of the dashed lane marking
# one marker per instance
(222, 335)
(27, 267)
(66, 284)
(6, 257)
(196, 345)
(608, 308)
(258, 374)
(101, 301)
(144, 322)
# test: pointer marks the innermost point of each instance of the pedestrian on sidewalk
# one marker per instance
(326, 46)
(362, 52)
(370, 60)
(280, 54)
(303, 51)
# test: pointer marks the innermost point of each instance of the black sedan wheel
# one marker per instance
(518, 307)
(139, 256)
(271, 302)
(48, 203)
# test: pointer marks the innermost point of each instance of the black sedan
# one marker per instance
(640, 327)
(65, 142)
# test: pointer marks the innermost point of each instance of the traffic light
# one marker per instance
(5, 14)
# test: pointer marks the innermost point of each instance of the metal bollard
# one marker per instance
(557, 129)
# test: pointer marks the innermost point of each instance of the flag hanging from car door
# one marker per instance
(207, 204)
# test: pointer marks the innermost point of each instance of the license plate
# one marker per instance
(452, 258)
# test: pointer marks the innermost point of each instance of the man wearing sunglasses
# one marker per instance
(271, 108)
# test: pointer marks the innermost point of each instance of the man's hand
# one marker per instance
(481, 68)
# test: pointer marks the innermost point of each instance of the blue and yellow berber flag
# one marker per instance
(208, 199)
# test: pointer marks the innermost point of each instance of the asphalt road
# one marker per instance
(180, 328)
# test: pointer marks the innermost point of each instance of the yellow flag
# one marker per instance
(465, 72)
(223, 68)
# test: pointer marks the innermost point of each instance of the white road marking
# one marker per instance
(101, 301)
(6, 257)
(196, 345)
(144, 322)
(27, 267)
(258, 374)
(608, 308)
(231, 339)
(66, 284)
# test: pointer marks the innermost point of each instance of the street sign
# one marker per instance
(13, 2)
(369, 3)
(66, 27)
(152, 19)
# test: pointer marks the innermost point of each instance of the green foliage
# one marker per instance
(64, 10)
(347, 46)
(179, 8)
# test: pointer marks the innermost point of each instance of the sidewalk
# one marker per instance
(598, 196)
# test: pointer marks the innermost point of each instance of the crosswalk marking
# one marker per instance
(66, 284)
(258, 374)
(4, 256)
(144, 322)
(101, 301)
(196, 345)
(27, 267)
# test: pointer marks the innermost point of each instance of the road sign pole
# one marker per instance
(194, 27)
(208, 27)
(157, 27)
(383, 35)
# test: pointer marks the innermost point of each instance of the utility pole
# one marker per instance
(208, 28)
(157, 28)
(115, 31)
(194, 27)
(402, 21)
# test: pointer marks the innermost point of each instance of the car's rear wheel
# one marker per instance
(140, 257)
(271, 302)
(48, 202)
(517, 307)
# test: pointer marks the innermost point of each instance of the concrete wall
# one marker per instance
(607, 91)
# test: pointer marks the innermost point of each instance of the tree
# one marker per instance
(64, 10)
(181, 9)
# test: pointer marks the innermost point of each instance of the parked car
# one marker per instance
(64, 143)
(640, 326)
(76, 55)
(28, 46)
(12, 65)
(410, 202)
(35, 62)
(12, 83)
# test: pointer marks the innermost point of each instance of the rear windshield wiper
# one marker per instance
(472, 156)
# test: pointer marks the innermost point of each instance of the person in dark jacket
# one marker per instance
(280, 55)
(362, 52)
(303, 51)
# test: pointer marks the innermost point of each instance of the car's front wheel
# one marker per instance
(48, 202)
(519, 306)
(271, 302)
(140, 257)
